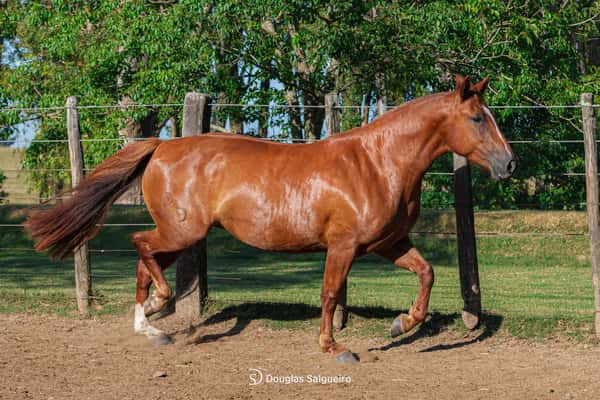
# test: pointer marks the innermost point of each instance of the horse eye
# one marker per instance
(477, 118)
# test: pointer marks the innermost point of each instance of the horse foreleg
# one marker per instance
(337, 266)
(406, 256)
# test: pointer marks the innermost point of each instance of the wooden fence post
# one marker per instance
(591, 184)
(191, 281)
(467, 249)
(332, 123)
(81, 254)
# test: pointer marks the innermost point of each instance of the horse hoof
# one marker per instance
(161, 340)
(396, 329)
(154, 304)
(148, 312)
(347, 357)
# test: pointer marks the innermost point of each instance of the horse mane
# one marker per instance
(403, 113)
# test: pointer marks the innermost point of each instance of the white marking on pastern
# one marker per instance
(141, 324)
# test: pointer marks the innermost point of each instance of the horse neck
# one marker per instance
(407, 139)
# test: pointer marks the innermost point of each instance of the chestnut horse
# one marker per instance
(350, 194)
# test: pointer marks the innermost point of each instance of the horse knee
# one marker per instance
(327, 296)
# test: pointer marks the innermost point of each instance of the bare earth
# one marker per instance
(46, 357)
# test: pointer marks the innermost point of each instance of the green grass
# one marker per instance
(532, 287)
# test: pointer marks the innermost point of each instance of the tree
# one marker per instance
(110, 53)
(540, 52)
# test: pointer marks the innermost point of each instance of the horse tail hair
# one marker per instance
(65, 226)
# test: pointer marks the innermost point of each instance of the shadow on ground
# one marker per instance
(438, 322)
(490, 323)
(247, 312)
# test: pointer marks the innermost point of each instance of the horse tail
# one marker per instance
(64, 227)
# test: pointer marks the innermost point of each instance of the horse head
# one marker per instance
(471, 131)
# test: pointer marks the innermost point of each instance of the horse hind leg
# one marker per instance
(150, 246)
(143, 302)
(152, 303)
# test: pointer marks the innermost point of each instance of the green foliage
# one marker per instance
(537, 52)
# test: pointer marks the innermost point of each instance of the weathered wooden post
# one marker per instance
(332, 124)
(191, 281)
(467, 248)
(591, 184)
(81, 254)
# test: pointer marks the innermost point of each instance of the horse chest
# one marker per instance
(396, 227)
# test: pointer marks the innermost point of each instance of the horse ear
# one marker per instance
(480, 86)
(463, 87)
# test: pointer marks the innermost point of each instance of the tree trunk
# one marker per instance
(235, 125)
(313, 118)
(174, 128)
(381, 87)
(236, 114)
(313, 121)
(133, 131)
(263, 115)
(294, 114)
(365, 109)
(218, 116)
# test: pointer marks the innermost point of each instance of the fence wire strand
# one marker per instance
(259, 105)
(497, 291)
(271, 138)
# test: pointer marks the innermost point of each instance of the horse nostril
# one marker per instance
(512, 165)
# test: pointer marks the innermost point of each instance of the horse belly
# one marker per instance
(268, 226)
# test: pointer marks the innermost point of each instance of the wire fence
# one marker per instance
(131, 253)
(270, 105)
(48, 172)
(124, 140)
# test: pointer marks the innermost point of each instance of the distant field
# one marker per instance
(15, 185)
(532, 286)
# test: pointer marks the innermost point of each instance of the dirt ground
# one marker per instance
(46, 357)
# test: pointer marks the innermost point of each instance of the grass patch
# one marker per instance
(532, 287)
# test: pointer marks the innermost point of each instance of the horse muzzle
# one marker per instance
(503, 168)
